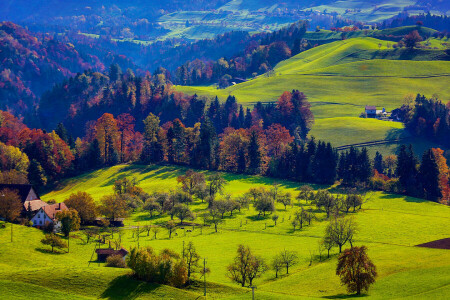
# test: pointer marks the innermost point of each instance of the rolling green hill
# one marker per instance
(390, 225)
(342, 77)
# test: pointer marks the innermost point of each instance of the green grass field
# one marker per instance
(390, 225)
(341, 78)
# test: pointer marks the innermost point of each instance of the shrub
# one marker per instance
(115, 261)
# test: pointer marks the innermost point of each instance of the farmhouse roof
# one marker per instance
(34, 204)
(22, 189)
(371, 107)
(52, 209)
(109, 251)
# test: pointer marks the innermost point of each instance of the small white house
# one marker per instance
(371, 111)
(47, 214)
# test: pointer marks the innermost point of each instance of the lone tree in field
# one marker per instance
(191, 259)
(288, 259)
(284, 199)
(171, 227)
(54, 241)
(182, 212)
(341, 231)
(216, 184)
(412, 38)
(246, 267)
(277, 265)
(356, 269)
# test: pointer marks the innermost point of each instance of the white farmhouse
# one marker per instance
(47, 214)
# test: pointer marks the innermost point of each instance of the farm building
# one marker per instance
(33, 206)
(371, 111)
(26, 192)
(47, 214)
(103, 254)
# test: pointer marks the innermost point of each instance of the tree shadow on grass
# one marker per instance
(49, 251)
(258, 218)
(402, 197)
(345, 296)
(125, 287)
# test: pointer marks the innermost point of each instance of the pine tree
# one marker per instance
(378, 163)
(428, 176)
(407, 170)
(254, 154)
(364, 166)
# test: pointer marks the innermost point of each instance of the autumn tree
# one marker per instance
(107, 135)
(191, 182)
(246, 266)
(412, 39)
(113, 206)
(125, 126)
(356, 269)
(84, 204)
(10, 204)
(444, 175)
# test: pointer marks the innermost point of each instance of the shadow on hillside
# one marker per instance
(345, 296)
(124, 287)
(49, 251)
(405, 198)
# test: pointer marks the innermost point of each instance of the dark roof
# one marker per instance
(371, 107)
(22, 189)
(109, 251)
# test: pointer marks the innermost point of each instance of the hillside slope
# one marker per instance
(342, 77)
(390, 225)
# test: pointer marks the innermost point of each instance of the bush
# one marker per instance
(115, 261)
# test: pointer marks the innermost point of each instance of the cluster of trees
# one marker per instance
(426, 117)
(428, 178)
(260, 55)
(31, 154)
(437, 22)
(167, 267)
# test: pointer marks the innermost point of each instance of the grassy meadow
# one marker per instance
(342, 77)
(389, 225)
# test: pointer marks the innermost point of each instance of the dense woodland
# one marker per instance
(31, 63)
(268, 140)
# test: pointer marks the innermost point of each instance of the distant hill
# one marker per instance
(32, 63)
(343, 76)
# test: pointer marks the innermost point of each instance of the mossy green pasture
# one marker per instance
(390, 225)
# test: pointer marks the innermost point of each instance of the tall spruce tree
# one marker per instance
(407, 170)
(254, 154)
(428, 176)
(378, 163)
